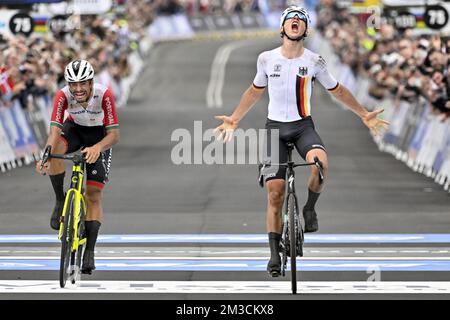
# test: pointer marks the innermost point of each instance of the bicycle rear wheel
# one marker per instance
(284, 244)
(66, 242)
(292, 211)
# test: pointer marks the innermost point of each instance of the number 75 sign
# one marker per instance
(437, 17)
(14, 22)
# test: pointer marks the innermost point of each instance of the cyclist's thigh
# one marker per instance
(274, 152)
(71, 137)
(98, 172)
(307, 138)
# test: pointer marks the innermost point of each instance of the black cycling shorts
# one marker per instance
(301, 133)
(76, 137)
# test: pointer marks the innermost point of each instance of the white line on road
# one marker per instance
(234, 258)
(226, 287)
(217, 77)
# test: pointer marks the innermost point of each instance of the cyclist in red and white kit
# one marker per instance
(289, 72)
(92, 125)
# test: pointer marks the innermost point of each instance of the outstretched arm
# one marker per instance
(370, 119)
(230, 123)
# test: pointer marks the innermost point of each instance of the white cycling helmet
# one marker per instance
(301, 10)
(78, 70)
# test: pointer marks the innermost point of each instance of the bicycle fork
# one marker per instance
(76, 184)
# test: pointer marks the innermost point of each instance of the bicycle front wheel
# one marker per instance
(292, 211)
(66, 242)
(81, 236)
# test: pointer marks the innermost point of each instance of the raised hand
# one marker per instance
(226, 129)
(374, 123)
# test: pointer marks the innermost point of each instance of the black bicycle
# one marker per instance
(292, 237)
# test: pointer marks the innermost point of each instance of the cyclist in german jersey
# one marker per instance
(289, 72)
(92, 125)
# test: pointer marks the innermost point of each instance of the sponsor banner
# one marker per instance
(234, 22)
(444, 153)
(18, 131)
(6, 152)
(79, 7)
(39, 119)
(170, 28)
(421, 130)
(397, 122)
(432, 142)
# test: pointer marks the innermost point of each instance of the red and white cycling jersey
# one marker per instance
(100, 111)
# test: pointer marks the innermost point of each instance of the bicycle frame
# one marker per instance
(290, 216)
(76, 187)
(290, 173)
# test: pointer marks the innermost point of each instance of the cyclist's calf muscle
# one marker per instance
(314, 182)
(275, 195)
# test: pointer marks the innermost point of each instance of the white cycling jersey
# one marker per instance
(290, 82)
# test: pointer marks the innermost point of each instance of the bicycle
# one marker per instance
(71, 231)
(292, 237)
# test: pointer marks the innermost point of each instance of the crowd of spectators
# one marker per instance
(34, 66)
(402, 64)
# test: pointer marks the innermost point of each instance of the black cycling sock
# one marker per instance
(312, 199)
(274, 243)
(92, 228)
(58, 185)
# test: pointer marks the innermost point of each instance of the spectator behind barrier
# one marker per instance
(400, 64)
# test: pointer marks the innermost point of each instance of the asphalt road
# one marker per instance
(367, 191)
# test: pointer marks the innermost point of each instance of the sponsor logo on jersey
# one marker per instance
(321, 63)
(85, 111)
(275, 75)
(277, 68)
(109, 110)
(60, 112)
(77, 112)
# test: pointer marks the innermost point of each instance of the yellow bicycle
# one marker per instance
(71, 230)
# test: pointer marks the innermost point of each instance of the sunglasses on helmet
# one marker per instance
(293, 14)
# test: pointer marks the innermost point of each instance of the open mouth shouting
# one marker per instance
(295, 26)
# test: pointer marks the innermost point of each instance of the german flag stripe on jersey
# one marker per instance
(303, 92)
